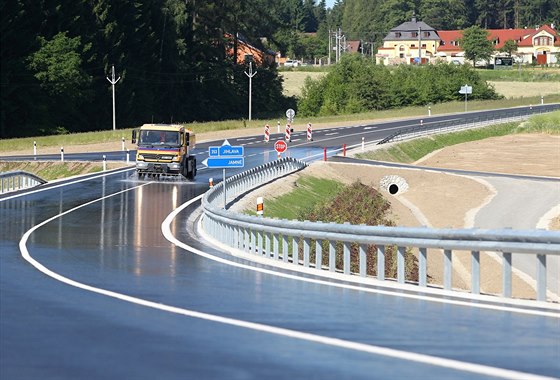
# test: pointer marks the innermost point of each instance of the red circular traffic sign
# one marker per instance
(280, 146)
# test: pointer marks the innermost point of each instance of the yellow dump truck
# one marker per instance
(164, 149)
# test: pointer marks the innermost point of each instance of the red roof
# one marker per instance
(447, 37)
(528, 40)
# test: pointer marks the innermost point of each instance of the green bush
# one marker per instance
(356, 84)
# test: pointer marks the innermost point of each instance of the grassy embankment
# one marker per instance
(320, 199)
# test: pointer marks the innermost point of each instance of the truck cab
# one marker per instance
(164, 149)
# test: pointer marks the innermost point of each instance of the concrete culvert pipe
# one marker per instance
(393, 184)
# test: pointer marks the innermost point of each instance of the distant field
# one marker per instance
(293, 83)
(293, 80)
(526, 89)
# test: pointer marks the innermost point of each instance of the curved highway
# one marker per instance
(90, 287)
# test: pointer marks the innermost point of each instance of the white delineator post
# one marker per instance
(127, 156)
(363, 144)
(260, 206)
(267, 133)
(309, 132)
(61, 153)
(122, 145)
(278, 126)
(34, 148)
(104, 163)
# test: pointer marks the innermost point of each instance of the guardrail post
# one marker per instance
(541, 277)
(295, 250)
(275, 246)
(253, 242)
(475, 272)
(401, 274)
(346, 259)
(506, 274)
(363, 261)
(447, 269)
(381, 263)
(285, 248)
(422, 267)
(306, 249)
(267, 244)
(332, 256)
(318, 254)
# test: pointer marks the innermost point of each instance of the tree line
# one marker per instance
(171, 55)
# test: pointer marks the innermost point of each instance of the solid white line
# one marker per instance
(442, 362)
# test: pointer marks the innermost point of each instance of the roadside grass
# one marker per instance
(411, 151)
(309, 192)
(22, 144)
(51, 170)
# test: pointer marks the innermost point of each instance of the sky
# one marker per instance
(330, 3)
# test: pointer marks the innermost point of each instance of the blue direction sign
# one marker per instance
(224, 162)
(225, 156)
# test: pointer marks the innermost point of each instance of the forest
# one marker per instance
(171, 55)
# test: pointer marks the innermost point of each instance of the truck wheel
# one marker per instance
(191, 167)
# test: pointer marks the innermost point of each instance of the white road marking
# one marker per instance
(331, 134)
(376, 350)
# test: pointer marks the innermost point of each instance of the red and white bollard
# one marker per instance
(288, 132)
(267, 133)
(309, 132)
(344, 150)
(325, 154)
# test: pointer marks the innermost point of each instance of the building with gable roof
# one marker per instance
(411, 42)
(413, 39)
(541, 46)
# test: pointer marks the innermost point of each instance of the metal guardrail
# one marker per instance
(18, 180)
(305, 243)
(427, 127)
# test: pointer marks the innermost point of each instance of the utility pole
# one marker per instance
(419, 46)
(113, 82)
(250, 74)
(330, 46)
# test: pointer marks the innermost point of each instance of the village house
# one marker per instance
(415, 41)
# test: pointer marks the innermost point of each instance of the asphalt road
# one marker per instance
(90, 288)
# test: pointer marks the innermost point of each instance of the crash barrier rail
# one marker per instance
(304, 243)
(18, 180)
(427, 127)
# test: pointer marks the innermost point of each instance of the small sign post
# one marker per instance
(466, 89)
